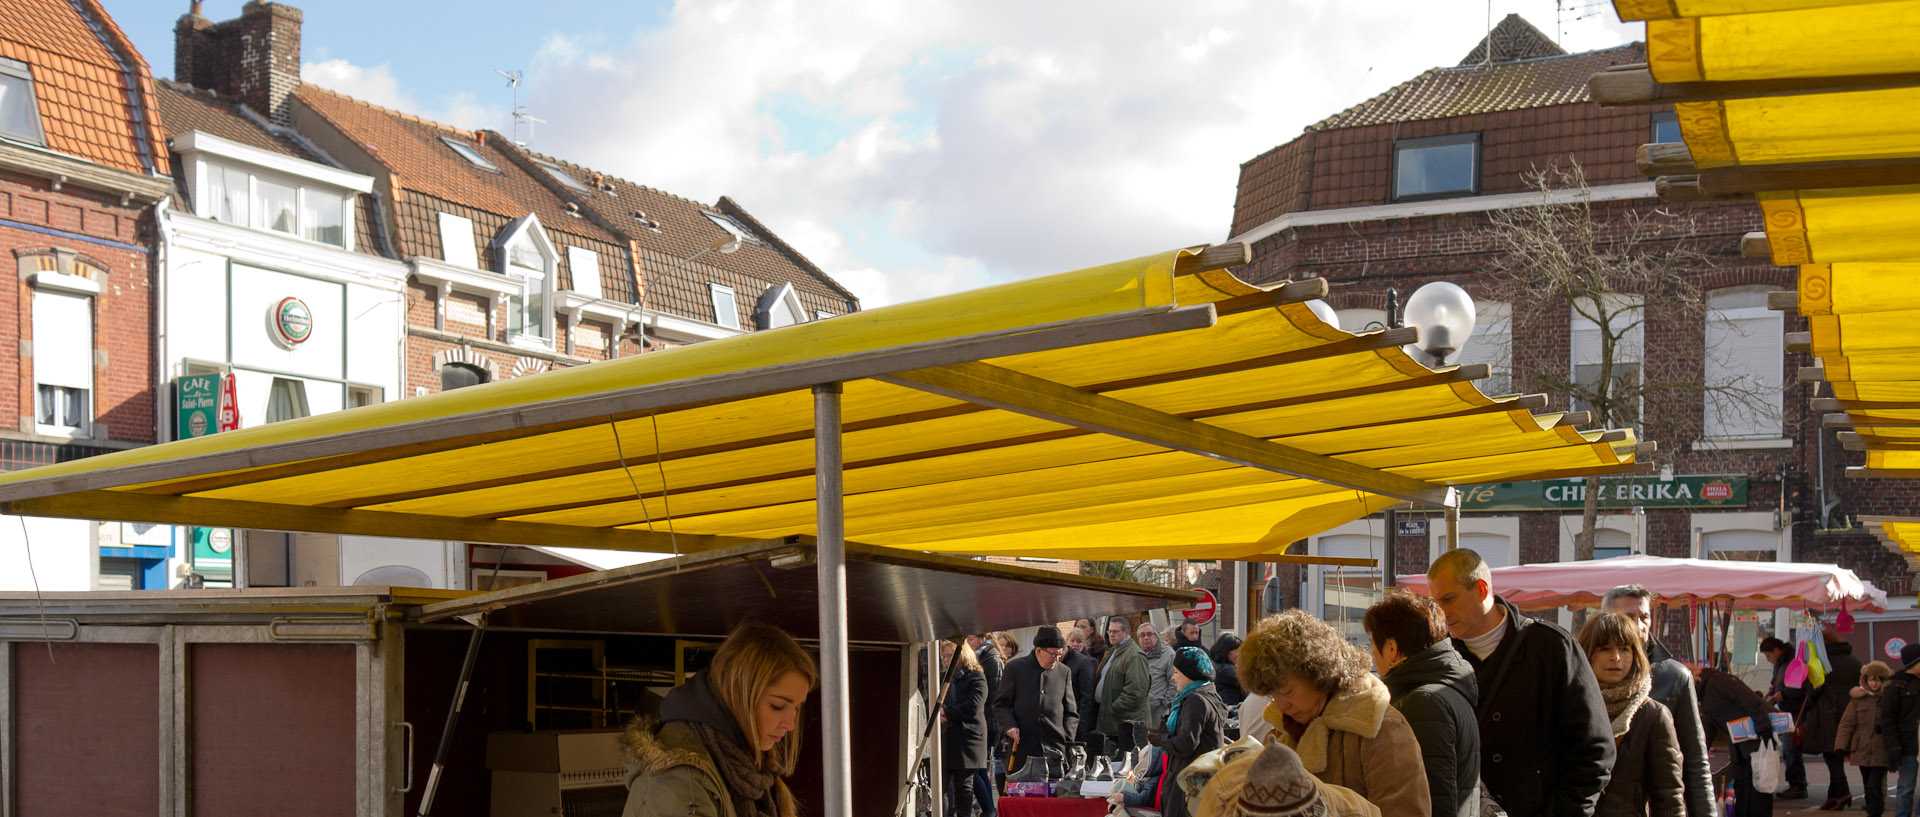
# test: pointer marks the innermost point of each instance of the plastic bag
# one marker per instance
(1769, 771)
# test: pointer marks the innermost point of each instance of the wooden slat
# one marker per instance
(1862, 472)
(1837, 404)
(1862, 445)
(1574, 418)
(1218, 256)
(1617, 435)
(1292, 292)
(1664, 159)
(1635, 85)
(1849, 421)
(1013, 391)
(1731, 182)
(1783, 301)
(1681, 189)
(1799, 341)
(1645, 449)
(1811, 374)
(1754, 245)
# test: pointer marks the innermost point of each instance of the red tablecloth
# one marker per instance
(1053, 807)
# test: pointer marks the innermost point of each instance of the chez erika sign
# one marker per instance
(1714, 491)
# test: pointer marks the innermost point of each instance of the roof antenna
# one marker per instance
(519, 113)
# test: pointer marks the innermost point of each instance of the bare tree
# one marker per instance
(1609, 276)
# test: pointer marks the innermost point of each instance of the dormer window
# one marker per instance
(19, 113)
(267, 201)
(779, 306)
(531, 261)
(1436, 167)
(468, 153)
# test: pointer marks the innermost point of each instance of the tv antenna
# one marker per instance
(519, 113)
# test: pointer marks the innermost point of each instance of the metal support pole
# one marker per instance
(1390, 555)
(836, 728)
(1453, 527)
(1242, 598)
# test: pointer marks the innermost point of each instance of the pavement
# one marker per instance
(1817, 789)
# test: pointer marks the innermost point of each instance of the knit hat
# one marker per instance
(1049, 637)
(1193, 663)
(1909, 654)
(1278, 785)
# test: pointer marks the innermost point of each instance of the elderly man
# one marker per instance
(1159, 673)
(1121, 684)
(1546, 747)
(1672, 687)
(1035, 708)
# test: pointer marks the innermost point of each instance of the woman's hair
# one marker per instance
(969, 660)
(752, 658)
(1296, 645)
(1605, 630)
(1226, 643)
(1413, 621)
(1007, 644)
(1076, 634)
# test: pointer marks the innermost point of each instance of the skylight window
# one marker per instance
(19, 116)
(731, 226)
(565, 178)
(467, 152)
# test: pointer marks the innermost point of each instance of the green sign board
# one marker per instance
(197, 406)
(1617, 493)
(213, 551)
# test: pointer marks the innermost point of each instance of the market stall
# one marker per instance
(1683, 582)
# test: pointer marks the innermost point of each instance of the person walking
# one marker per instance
(1791, 699)
(1159, 673)
(1725, 698)
(1196, 725)
(1434, 688)
(1083, 680)
(1859, 736)
(726, 739)
(993, 667)
(1226, 676)
(1899, 718)
(1036, 707)
(1646, 776)
(1825, 706)
(1545, 748)
(1122, 685)
(963, 739)
(1329, 708)
(1673, 688)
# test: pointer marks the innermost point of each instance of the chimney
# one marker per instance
(255, 58)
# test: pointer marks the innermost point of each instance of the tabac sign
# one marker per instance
(1711, 491)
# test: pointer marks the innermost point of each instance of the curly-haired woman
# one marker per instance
(1330, 709)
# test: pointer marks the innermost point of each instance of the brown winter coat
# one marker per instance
(1361, 742)
(1860, 730)
(1646, 769)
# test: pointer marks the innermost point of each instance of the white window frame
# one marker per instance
(24, 73)
(1314, 599)
(205, 154)
(1635, 340)
(1761, 434)
(45, 343)
(729, 317)
(526, 231)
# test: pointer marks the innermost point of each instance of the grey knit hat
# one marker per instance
(1278, 785)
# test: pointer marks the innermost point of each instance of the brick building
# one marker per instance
(81, 171)
(1397, 191)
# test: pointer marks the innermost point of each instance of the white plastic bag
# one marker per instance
(1769, 772)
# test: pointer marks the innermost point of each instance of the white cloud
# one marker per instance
(996, 140)
(378, 85)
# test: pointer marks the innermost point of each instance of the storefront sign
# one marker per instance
(292, 322)
(204, 404)
(1619, 493)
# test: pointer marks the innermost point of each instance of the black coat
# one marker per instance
(1202, 728)
(1646, 769)
(1673, 688)
(1900, 716)
(1083, 678)
(1226, 678)
(1545, 746)
(1039, 703)
(1725, 698)
(992, 666)
(1435, 690)
(1828, 703)
(963, 739)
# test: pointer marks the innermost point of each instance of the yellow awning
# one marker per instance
(1842, 126)
(1900, 534)
(1125, 411)
(1634, 10)
(1729, 47)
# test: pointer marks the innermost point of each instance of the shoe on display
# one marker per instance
(1100, 769)
(1032, 770)
(1076, 763)
(1056, 768)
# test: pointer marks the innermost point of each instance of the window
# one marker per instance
(563, 176)
(585, 266)
(456, 241)
(358, 396)
(1666, 127)
(468, 153)
(779, 306)
(821, 314)
(273, 205)
(227, 194)
(732, 227)
(287, 400)
(1492, 547)
(62, 363)
(1436, 167)
(526, 310)
(1347, 592)
(1609, 543)
(461, 375)
(725, 312)
(1492, 344)
(1744, 356)
(19, 113)
(1621, 316)
(321, 217)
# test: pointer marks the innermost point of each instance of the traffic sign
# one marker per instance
(1203, 610)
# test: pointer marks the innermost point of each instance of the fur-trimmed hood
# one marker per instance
(651, 749)
(1359, 709)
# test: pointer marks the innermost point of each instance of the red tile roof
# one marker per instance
(90, 105)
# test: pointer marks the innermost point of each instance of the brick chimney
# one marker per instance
(255, 58)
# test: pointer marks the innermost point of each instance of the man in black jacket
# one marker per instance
(1036, 708)
(1899, 718)
(1673, 688)
(1434, 688)
(1546, 747)
(1083, 676)
(1724, 698)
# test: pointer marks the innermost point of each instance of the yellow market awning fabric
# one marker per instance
(1150, 408)
(1813, 110)
(1900, 534)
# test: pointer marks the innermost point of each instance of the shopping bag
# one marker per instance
(1769, 771)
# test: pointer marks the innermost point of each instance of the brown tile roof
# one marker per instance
(1440, 93)
(184, 109)
(86, 108)
(1513, 39)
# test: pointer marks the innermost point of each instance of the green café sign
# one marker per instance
(1618, 493)
(198, 408)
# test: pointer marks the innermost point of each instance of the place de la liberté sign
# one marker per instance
(1713, 491)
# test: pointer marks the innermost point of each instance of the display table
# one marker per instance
(1053, 807)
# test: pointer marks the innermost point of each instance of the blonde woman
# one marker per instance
(728, 737)
(963, 736)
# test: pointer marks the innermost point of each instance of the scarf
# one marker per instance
(750, 788)
(1173, 718)
(1623, 699)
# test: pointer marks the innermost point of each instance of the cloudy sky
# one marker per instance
(909, 148)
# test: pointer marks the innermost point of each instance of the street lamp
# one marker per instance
(1444, 314)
